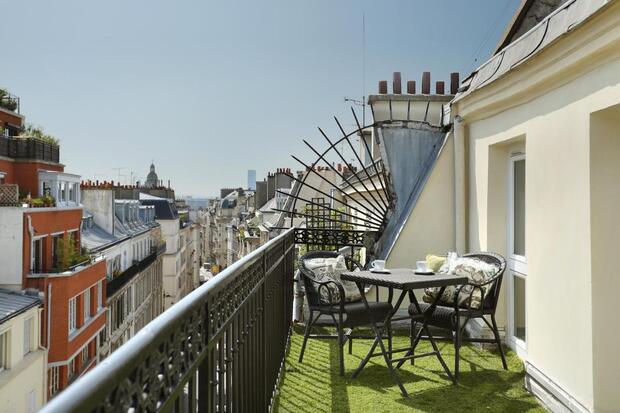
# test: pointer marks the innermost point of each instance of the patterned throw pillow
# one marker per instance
(478, 273)
(324, 269)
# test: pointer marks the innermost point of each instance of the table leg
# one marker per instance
(427, 314)
(379, 341)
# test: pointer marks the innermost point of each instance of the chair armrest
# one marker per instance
(471, 293)
(324, 284)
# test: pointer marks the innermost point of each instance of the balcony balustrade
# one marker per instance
(29, 148)
(221, 348)
(115, 284)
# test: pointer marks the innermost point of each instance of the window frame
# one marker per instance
(5, 350)
(99, 295)
(29, 334)
(72, 315)
(86, 305)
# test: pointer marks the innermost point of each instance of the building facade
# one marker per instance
(134, 270)
(23, 360)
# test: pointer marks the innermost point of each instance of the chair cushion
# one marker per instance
(442, 316)
(477, 271)
(330, 269)
(357, 314)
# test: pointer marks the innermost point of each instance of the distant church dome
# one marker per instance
(151, 179)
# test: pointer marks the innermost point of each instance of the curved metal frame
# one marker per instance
(375, 211)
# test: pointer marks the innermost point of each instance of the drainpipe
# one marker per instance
(460, 182)
(49, 314)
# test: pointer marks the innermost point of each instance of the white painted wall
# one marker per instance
(100, 203)
(11, 246)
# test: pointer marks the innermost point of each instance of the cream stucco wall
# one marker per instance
(605, 218)
(572, 169)
(27, 373)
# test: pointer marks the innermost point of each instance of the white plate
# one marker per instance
(380, 271)
(424, 272)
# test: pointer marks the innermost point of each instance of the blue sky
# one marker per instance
(211, 89)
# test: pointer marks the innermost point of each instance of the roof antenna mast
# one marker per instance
(362, 102)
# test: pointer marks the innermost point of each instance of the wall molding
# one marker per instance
(552, 396)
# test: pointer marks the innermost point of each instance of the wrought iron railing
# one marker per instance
(9, 195)
(29, 148)
(115, 284)
(221, 348)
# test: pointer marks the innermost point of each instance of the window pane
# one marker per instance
(519, 208)
(519, 307)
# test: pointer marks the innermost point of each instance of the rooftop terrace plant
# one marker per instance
(31, 131)
(7, 101)
(69, 254)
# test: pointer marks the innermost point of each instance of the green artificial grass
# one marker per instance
(315, 386)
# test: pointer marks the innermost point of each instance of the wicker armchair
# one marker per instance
(449, 317)
(345, 316)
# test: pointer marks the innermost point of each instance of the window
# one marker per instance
(99, 295)
(84, 356)
(517, 259)
(63, 192)
(4, 350)
(55, 240)
(86, 305)
(72, 315)
(72, 368)
(28, 335)
(116, 266)
(54, 380)
(72, 192)
(37, 256)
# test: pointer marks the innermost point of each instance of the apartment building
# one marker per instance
(126, 233)
(174, 260)
(23, 361)
(40, 236)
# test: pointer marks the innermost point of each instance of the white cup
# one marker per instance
(378, 265)
(422, 266)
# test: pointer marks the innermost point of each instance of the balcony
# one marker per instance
(112, 286)
(84, 264)
(224, 347)
(29, 148)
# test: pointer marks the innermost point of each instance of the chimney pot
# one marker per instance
(396, 84)
(454, 83)
(411, 87)
(383, 87)
(440, 87)
(426, 83)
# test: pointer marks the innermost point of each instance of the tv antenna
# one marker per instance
(362, 102)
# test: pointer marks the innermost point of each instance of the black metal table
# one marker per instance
(406, 280)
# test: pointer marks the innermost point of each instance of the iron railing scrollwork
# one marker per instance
(333, 237)
(219, 349)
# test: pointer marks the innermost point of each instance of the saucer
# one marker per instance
(423, 272)
(376, 271)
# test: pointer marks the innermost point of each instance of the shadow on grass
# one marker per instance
(316, 386)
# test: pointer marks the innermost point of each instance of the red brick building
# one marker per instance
(40, 249)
